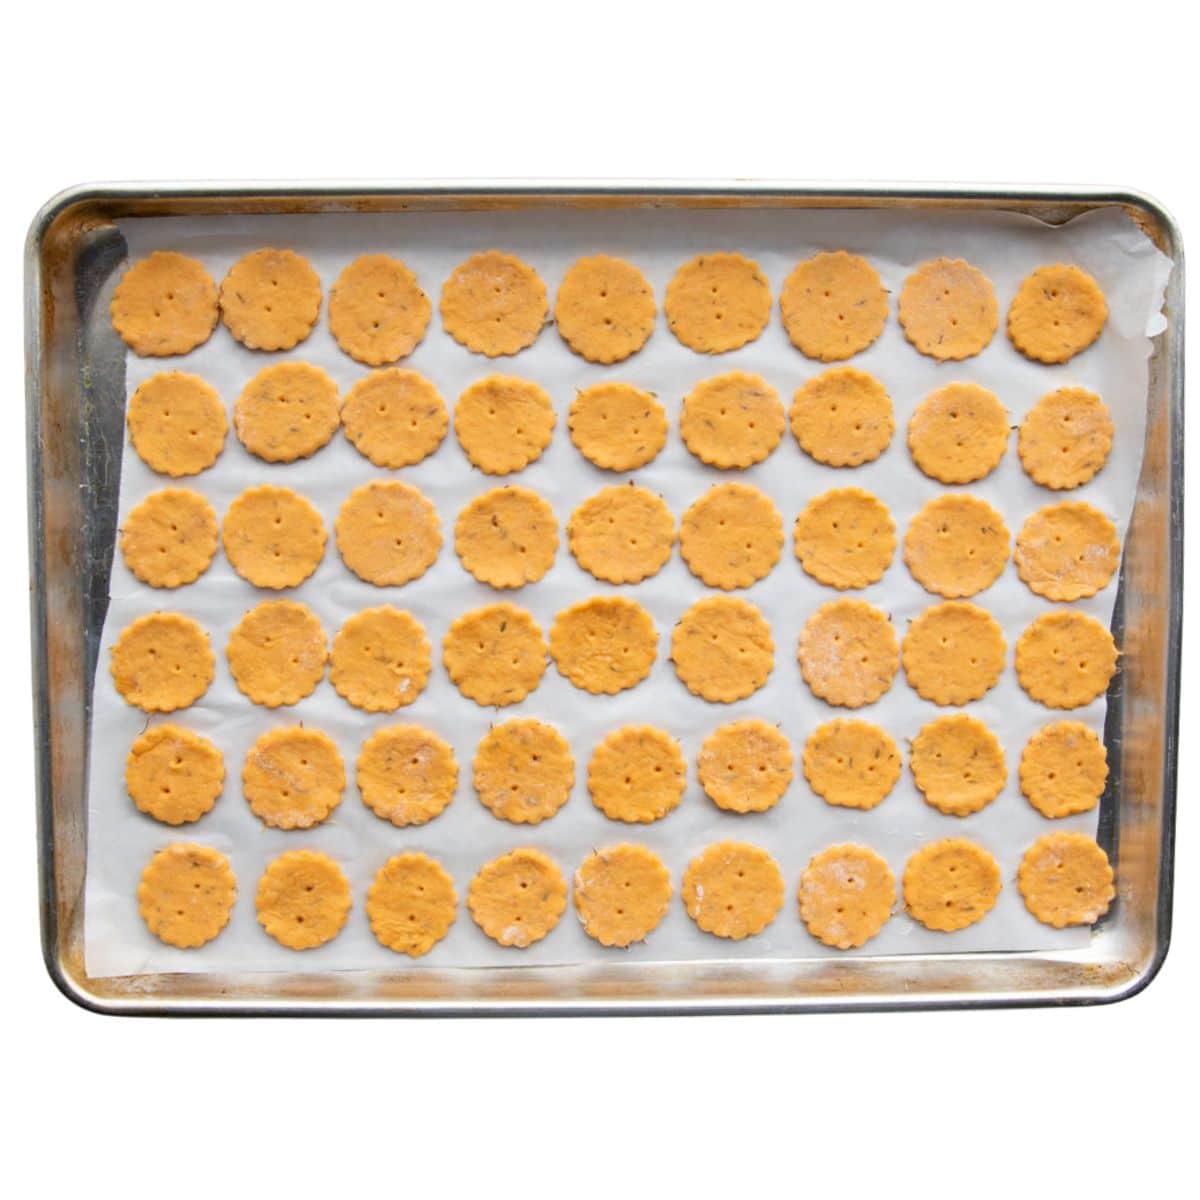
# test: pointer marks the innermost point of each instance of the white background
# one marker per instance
(932, 1104)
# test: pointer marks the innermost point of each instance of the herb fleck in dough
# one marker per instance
(732, 421)
(851, 763)
(495, 655)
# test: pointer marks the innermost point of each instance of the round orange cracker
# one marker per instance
(958, 764)
(637, 774)
(745, 766)
(958, 433)
(1064, 768)
(950, 884)
(411, 904)
(176, 423)
(846, 895)
(186, 894)
(851, 763)
(380, 659)
(377, 311)
(1058, 312)
(733, 890)
(162, 662)
(1067, 551)
(507, 537)
(621, 894)
(495, 655)
(503, 423)
(722, 649)
(293, 777)
(277, 653)
(303, 899)
(1065, 659)
(733, 420)
(518, 898)
(270, 299)
(286, 412)
(731, 537)
(834, 305)
(718, 302)
(953, 653)
(1065, 438)
(845, 538)
(165, 303)
(406, 774)
(388, 533)
(523, 771)
(843, 417)
(604, 309)
(604, 645)
(394, 418)
(173, 774)
(494, 304)
(948, 309)
(169, 539)
(956, 545)
(617, 426)
(622, 534)
(273, 537)
(1065, 879)
(848, 653)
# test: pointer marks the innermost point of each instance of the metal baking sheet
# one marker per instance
(583, 982)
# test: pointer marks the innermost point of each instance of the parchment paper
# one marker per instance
(120, 842)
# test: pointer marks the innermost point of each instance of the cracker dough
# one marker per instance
(411, 904)
(605, 309)
(731, 537)
(733, 890)
(848, 654)
(604, 645)
(303, 899)
(958, 433)
(745, 766)
(166, 303)
(732, 420)
(377, 311)
(186, 894)
(273, 537)
(834, 305)
(718, 302)
(176, 423)
(845, 538)
(173, 774)
(948, 309)
(950, 884)
(380, 659)
(851, 763)
(394, 418)
(169, 539)
(293, 777)
(523, 771)
(953, 653)
(503, 423)
(277, 653)
(1065, 438)
(958, 764)
(1064, 768)
(507, 537)
(270, 299)
(843, 417)
(518, 898)
(495, 655)
(494, 304)
(406, 774)
(1065, 659)
(162, 662)
(957, 545)
(722, 649)
(1065, 879)
(637, 774)
(388, 533)
(617, 426)
(846, 895)
(1057, 312)
(286, 412)
(621, 894)
(1067, 551)
(622, 534)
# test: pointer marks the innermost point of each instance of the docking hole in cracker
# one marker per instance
(1067, 551)
(843, 417)
(186, 894)
(1065, 438)
(845, 538)
(948, 309)
(303, 899)
(617, 426)
(293, 777)
(162, 662)
(277, 653)
(169, 539)
(604, 309)
(286, 412)
(851, 763)
(394, 418)
(722, 649)
(507, 537)
(406, 774)
(270, 299)
(495, 655)
(177, 423)
(745, 766)
(1064, 768)
(950, 884)
(1066, 879)
(273, 537)
(380, 659)
(604, 645)
(953, 653)
(388, 533)
(1058, 312)
(732, 421)
(958, 433)
(834, 305)
(637, 774)
(718, 302)
(503, 423)
(958, 764)
(164, 304)
(621, 894)
(523, 771)
(732, 890)
(956, 546)
(1065, 659)
(518, 898)
(173, 774)
(377, 311)
(411, 904)
(731, 537)
(848, 653)
(846, 895)
(494, 304)
(622, 534)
